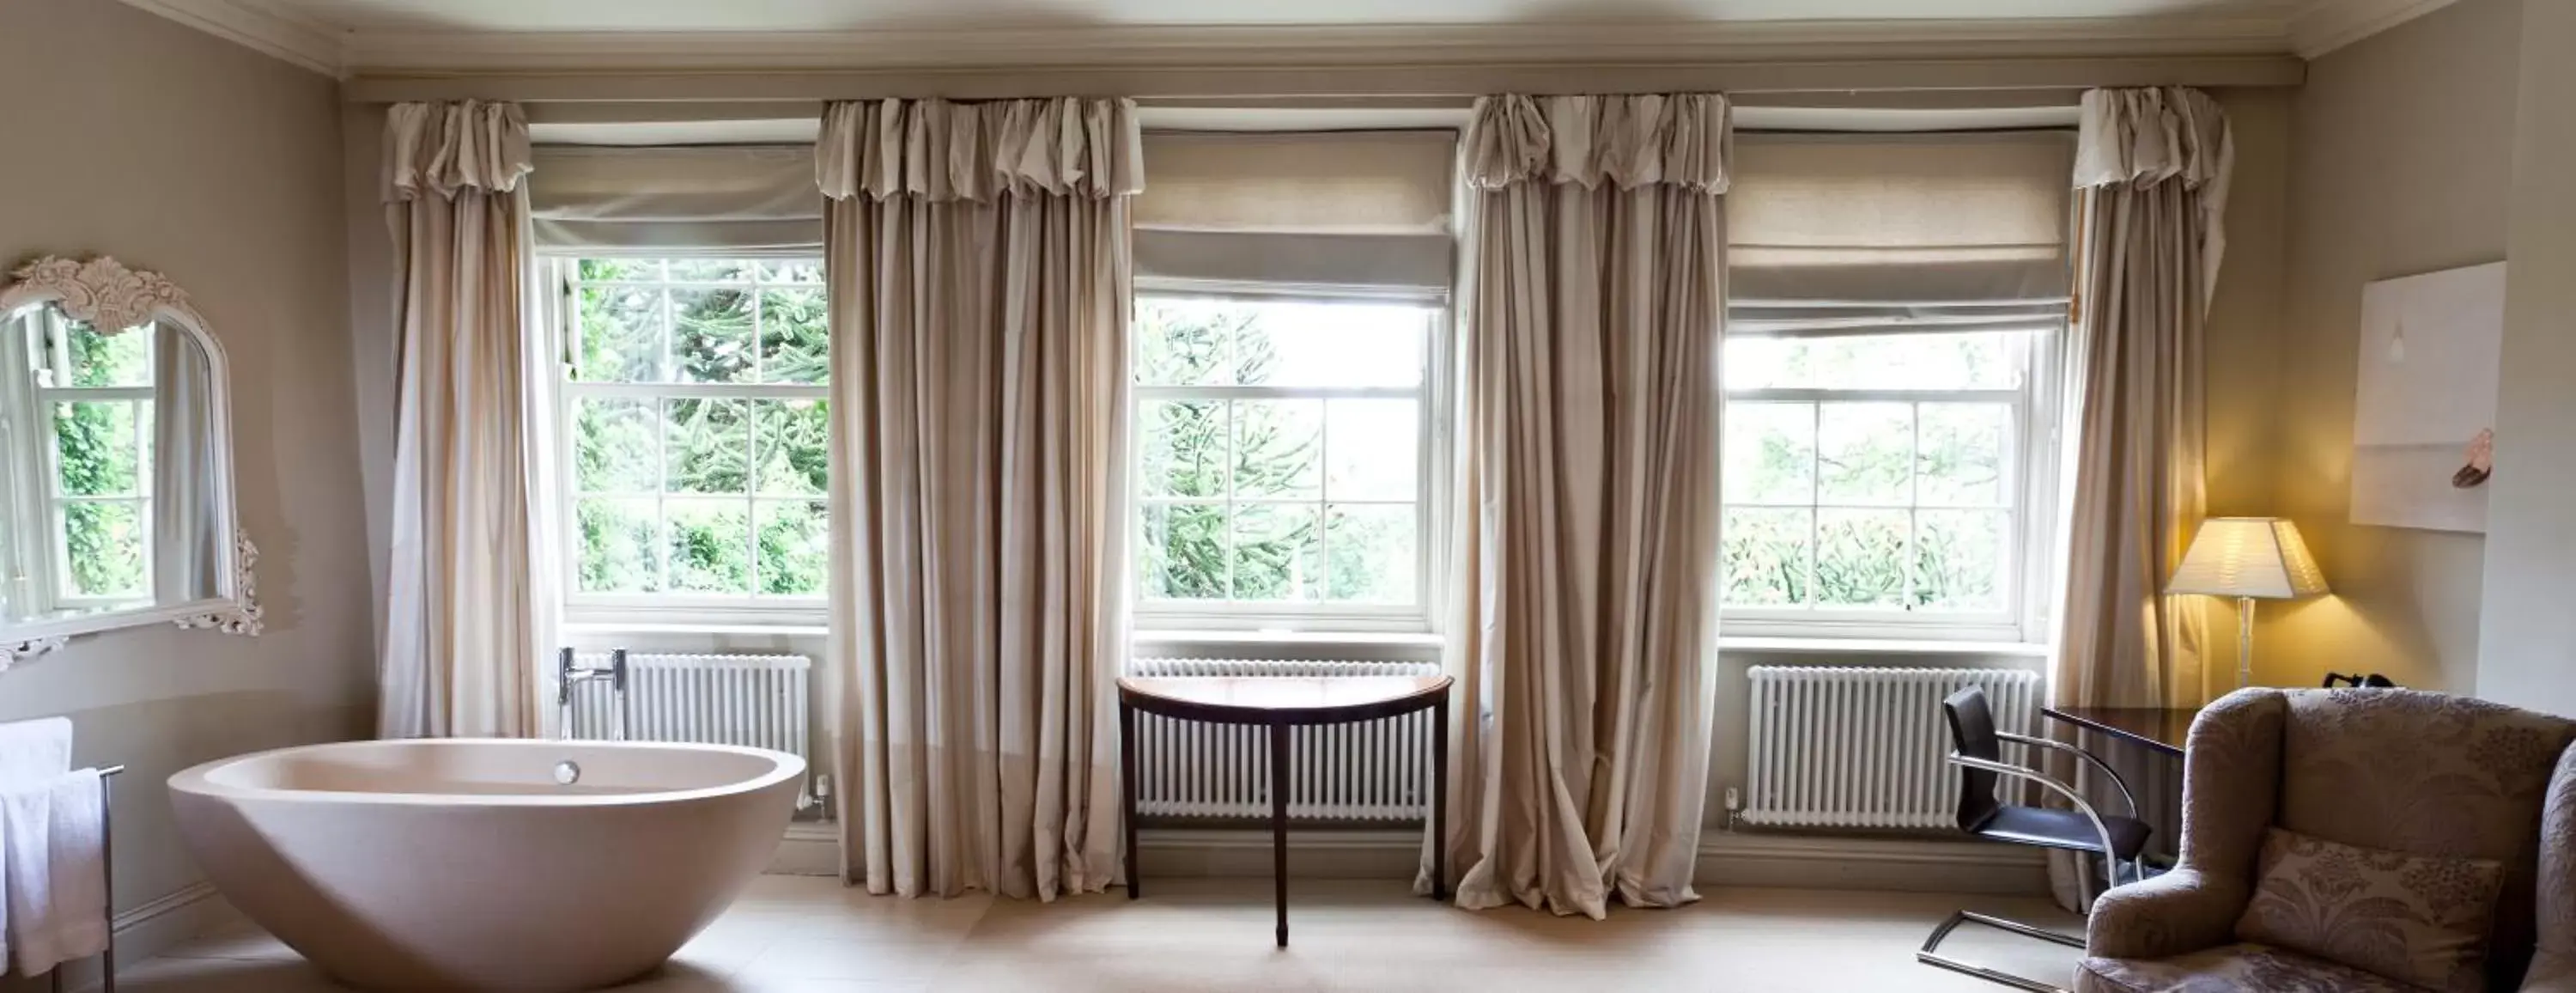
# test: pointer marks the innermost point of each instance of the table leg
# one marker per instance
(1440, 798)
(1279, 824)
(1127, 795)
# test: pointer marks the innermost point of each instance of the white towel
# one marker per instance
(35, 751)
(52, 840)
(31, 753)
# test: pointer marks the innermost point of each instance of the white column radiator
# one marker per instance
(1370, 771)
(755, 700)
(1846, 747)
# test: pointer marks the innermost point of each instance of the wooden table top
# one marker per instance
(2159, 728)
(1265, 697)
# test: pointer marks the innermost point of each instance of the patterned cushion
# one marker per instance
(2426, 773)
(2230, 969)
(2418, 919)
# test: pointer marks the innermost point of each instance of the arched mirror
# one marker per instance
(116, 476)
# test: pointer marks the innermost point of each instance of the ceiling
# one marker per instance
(347, 37)
(860, 15)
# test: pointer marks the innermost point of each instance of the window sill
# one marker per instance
(781, 629)
(1877, 646)
(1390, 639)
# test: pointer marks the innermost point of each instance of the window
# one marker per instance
(696, 436)
(91, 406)
(1279, 458)
(1876, 478)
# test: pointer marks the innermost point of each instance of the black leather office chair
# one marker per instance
(1976, 747)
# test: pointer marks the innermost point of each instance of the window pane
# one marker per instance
(1979, 360)
(1860, 557)
(1373, 553)
(1329, 344)
(794, 446)
(110, 359)
(1865, 453)
(707, 444)
(1959, 559)
(1182, 556)
(795, 337)
(791, 271)
(621, 335)
(1184, 342)
(98, 447)
(616, 446)
(1278, 448)
(1770, 453)
(1276, 553)
(711, 335)
(710, 545)
(105, 545)
(1960, 459)
(618, 537)
(1374, 447)
(1182, 446)
(710, 270)
(794, 549)
(620, 269)
(1765, 554)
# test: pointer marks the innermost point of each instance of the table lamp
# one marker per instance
(2249, 558)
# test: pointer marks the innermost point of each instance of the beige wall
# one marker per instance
(2402, 154)
(2528, 632)
(134, 136)
(2244, 337)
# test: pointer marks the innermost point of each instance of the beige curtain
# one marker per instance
(978, 265)
(472, 575)
(1585, 495)
(187, 521)
(2151, 169)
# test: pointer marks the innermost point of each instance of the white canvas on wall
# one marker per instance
(2424, 407)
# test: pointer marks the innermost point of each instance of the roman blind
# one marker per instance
(1878, 233)
(1353, 209)
(739, 199)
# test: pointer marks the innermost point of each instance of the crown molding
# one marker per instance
(258, 26)
(2327, 25)
(1317, 45)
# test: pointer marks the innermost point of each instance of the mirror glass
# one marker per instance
(110, 498)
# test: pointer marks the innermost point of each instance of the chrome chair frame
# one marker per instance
(1930, 954)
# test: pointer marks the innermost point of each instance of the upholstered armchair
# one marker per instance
(2393, 771)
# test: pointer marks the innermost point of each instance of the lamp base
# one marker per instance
(2244, 642)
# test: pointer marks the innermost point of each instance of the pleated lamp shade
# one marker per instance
(2259, 557)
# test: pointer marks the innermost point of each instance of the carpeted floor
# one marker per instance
(806, 935)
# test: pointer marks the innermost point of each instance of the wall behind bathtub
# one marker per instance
(127, 134)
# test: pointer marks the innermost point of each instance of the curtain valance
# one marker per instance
(1359, 209)
(1679, 139)
(748, 200)
(1871, 233)
(2146, 136)
(941, 151)
(446, 147)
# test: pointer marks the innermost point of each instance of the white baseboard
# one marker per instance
(1725, 859)
(1912, 865)
(146, 931)
(809, 849)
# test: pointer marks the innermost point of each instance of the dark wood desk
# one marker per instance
(1280, 703)
(2158, 728)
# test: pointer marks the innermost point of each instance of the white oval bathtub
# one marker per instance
(463, 865)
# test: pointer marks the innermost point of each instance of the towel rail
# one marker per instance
(107, 880)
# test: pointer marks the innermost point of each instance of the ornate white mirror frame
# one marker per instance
(108, 296)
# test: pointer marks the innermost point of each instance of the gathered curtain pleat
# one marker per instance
(470, 587)
(977, 262)
(1584, 533)
(2151, 177)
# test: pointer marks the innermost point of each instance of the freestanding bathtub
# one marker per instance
(486, 865)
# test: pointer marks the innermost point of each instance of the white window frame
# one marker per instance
(38, 505)
(695, 609)
(1432, 447)
(2032, 455)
